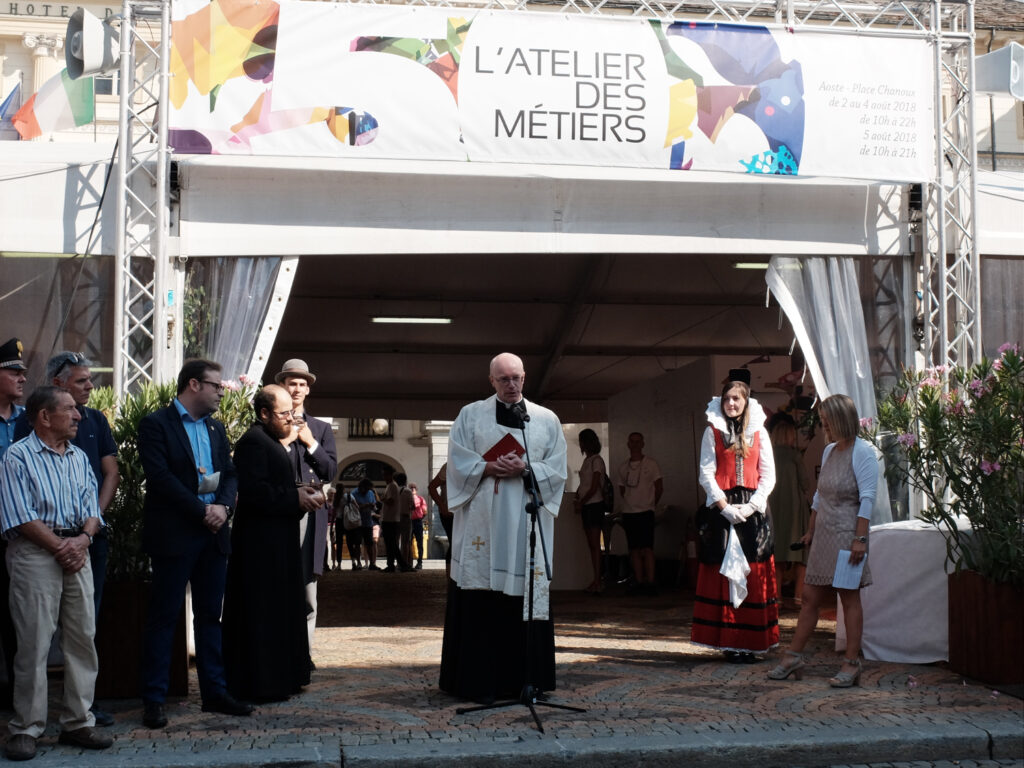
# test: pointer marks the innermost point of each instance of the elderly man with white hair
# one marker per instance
(484, 654)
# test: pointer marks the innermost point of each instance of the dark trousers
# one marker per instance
(390, 533)
(206, 570)
(417, 534)
(99, 553)
(353, 540)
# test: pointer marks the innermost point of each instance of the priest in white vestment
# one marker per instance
(485, 654)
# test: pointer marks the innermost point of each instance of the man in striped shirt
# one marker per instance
(49, 514)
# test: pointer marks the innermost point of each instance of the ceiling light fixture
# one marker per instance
(414, 320)
(750, 265)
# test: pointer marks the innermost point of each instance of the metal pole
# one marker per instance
(973, 298)
(166, 349)
(122, 274)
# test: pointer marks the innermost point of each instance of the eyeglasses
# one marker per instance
(215, 384)
(509, 380)
(284, 414)
(72, 359)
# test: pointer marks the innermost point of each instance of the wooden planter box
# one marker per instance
(986, 629)
(119, 630)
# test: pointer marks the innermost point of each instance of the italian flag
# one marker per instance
(61, 103)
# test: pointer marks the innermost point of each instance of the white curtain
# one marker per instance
(235, 295)
(821, 297)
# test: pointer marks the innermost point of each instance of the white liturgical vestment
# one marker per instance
(490, 546)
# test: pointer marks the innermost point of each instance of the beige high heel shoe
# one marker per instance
(845, 679)
(796, 669)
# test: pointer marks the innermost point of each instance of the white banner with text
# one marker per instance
(410, 82)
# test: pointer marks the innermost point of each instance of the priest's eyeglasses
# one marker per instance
(510, 380)
(284, 414)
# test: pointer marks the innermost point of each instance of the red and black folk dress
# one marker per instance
(754, 626)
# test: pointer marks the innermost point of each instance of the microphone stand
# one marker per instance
(530, 696)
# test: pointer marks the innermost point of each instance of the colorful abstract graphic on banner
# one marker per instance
(417, 83)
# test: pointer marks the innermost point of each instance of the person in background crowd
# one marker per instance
(390, 523)
(589, 501)
(406, 505)
(351, 532)
(366, 498)
(788, 502)
(640, 486)
(419, 512)
(438, 490)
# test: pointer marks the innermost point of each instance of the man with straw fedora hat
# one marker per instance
(312, 451)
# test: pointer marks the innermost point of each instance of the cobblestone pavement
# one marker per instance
(651, 698)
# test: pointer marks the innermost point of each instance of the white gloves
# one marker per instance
(746, 510)
(737, 513)
(733, 514)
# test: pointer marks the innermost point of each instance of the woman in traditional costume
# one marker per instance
(738, 615)
(840, 516)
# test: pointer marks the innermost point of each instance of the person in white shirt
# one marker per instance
(640, 486)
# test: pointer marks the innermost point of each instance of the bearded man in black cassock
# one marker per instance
(266, 650)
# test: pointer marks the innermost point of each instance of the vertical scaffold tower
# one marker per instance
(947, 324)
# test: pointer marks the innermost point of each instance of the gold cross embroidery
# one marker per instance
(538, 572)
(478, 542)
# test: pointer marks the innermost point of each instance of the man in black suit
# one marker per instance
(315, 458)
(190, 489)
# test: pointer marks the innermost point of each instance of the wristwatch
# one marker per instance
(861, 539)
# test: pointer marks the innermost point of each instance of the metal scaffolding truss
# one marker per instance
(144, 328)
(949, 266)
(148, 322)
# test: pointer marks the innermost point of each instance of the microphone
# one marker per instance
(520, 410)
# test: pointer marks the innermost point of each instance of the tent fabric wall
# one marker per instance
(821, 297)
(256, 206)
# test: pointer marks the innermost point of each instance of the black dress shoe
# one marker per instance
(103, 719)
(153, 715)
(227, 704)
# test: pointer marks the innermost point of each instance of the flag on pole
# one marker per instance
(61, 103)
(9, 103)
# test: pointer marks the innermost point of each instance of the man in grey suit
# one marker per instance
(311, 447)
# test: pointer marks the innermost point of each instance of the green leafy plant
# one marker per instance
(235, 411)
(957, 436)
(124, 515)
